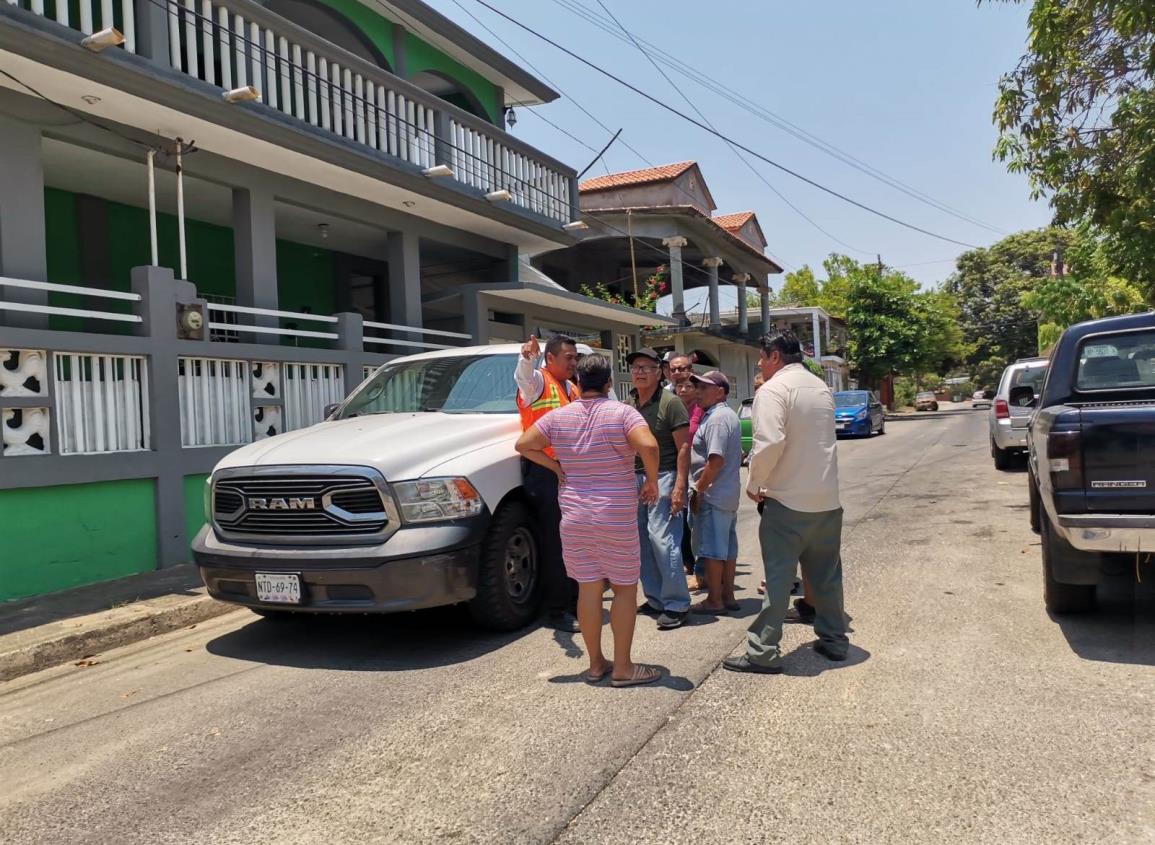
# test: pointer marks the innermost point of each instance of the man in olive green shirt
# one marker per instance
(660, 524)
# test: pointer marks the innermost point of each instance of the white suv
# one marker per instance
(408, 496)
(1008, 425)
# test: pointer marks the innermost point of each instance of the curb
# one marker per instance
(70, 647)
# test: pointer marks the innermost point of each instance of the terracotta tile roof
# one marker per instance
(733, 222)
(662, 173)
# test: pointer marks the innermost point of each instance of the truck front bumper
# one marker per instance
(1108, 533)
(416, 568)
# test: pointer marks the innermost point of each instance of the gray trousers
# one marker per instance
(790, 538)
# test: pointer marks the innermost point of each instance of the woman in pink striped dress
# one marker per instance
(595, 441)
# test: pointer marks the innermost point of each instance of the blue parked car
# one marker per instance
(858, 412)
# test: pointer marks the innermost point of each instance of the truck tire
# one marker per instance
(1061, 599)
(1035, 504)
(508, 573)
(1002, 457)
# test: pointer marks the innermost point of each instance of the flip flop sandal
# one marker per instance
(642, 674)
(733, 605)
(593, 680)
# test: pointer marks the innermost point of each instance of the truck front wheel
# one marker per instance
(508, 572)
(1061, 598)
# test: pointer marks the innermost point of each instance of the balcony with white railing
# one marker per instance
(241, 47)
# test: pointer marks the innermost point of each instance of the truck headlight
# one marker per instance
(437, 499)
(208, 502)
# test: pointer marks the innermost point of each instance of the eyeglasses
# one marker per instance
(680, 369)
(643, 369)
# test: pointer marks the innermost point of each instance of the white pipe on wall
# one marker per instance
(152, 207)
(180, 210)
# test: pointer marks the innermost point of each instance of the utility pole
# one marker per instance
(879, 255)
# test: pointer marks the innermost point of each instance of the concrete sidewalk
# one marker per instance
(71, 625)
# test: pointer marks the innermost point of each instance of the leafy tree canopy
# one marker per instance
(1078, 117)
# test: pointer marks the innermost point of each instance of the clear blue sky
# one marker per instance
(907, 86)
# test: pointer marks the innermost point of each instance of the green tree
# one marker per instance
(1078, 117)
(988, 287)
(1085, 290)
(799, 289)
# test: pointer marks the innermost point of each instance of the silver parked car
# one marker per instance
(1008, 423)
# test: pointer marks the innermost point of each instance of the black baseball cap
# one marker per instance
(645, 352)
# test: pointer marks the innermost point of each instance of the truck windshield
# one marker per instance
(466, 384)
(1117, 361)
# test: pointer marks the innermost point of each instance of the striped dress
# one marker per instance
(599, 500)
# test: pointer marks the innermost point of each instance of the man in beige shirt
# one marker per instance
(794, 474)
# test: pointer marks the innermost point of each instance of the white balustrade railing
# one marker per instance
(220, 45)
(412, 344)
(93, 16)
(270, 312)
(59, 311)
(214, 402)
(308, 389)
(489, 165)
(234, 45)
(102, 403)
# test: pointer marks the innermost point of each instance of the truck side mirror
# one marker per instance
(1022, 396)
(330, 409)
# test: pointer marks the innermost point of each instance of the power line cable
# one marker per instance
(779, 122)
(588, 114)
(678, 113)
(732, 148)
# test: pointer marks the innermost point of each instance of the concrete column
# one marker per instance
(764, 297)
(255, 248)
(743, 317)
(351, 341)
(23, 240)
(715, 309)
(152, 31)
(160, 294)
(405, 279)
(677, 288)
(815, 324)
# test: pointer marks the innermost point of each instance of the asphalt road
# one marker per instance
(964, 715)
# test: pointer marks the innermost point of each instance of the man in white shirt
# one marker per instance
(794, 475)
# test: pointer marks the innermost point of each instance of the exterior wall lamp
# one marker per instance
(110, 37)
(499, 196)
(438, 171)
(244, 94)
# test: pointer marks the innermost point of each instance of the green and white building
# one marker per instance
(215, 217)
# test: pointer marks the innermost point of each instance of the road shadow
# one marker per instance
(1121, 629)
(926, 415)
(805, 662)
(674, 682)
(386, 643)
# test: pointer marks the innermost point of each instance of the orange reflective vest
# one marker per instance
(553, 396)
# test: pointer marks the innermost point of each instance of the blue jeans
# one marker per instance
(715, 533)
(663, 577)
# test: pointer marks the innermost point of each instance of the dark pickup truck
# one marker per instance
(1091, 441)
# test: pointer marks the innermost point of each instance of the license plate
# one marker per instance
(839, 426)
(278, 588)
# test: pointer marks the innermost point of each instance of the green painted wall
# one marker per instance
(194, 504)
(420, 56)
(109, 532)
(379, 30)
(305, 274)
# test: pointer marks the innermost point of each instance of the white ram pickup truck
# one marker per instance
(407, 496)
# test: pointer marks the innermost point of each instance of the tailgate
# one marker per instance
(1119, 459)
